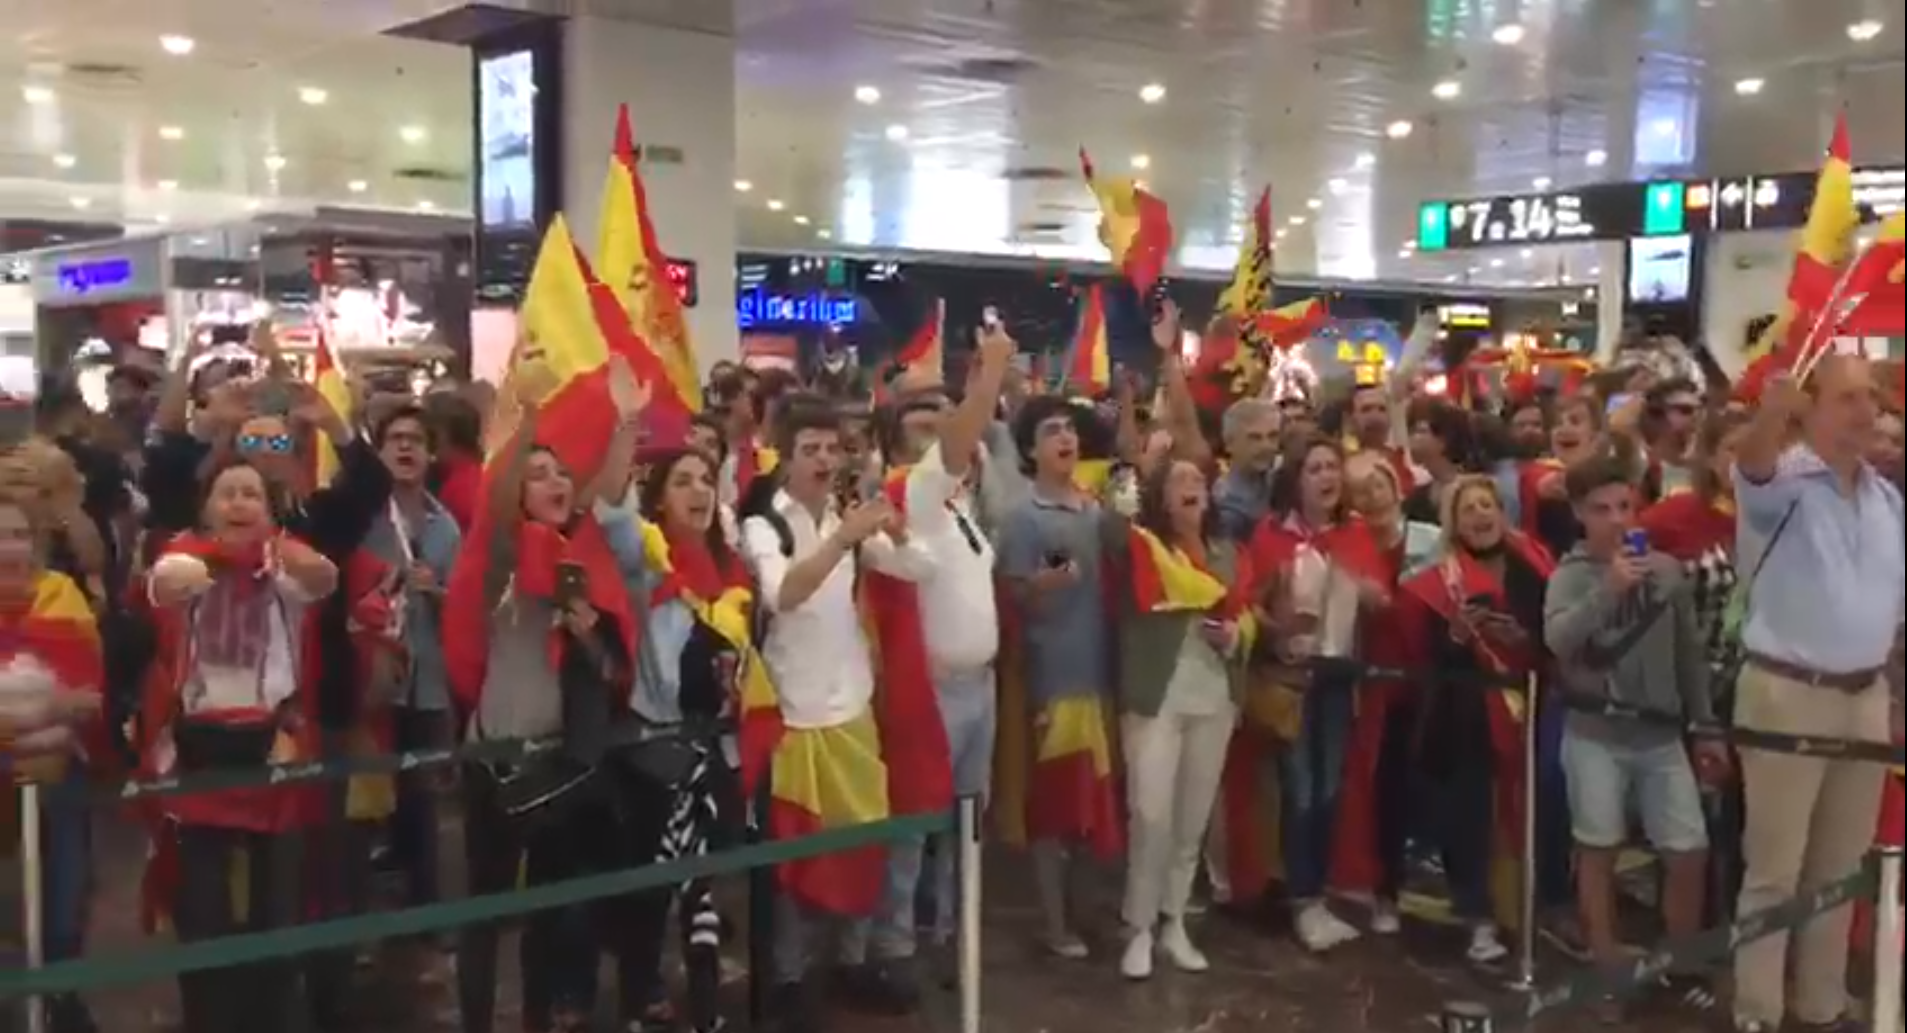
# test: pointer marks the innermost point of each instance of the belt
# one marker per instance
(1850, 682)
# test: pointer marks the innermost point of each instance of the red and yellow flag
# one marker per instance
(632, 265)
(1291, 324)
(1089, 362)
(1133, 224)
(1876, 285)
(924, 356)
(1250, 290)
(327, 377)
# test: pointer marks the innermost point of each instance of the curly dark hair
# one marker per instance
(655, 483)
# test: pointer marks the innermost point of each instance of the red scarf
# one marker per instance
(1349, 546)
(694, 572)
(1458, 578)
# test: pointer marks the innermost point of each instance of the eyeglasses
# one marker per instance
(278, 444)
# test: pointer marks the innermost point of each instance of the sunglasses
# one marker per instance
(278, 444)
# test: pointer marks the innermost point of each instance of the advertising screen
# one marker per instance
(506, 119)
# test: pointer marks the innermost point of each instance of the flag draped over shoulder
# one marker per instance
(1821, 253)
(913, 734)
(631, 263)
(1133, 224)
(1089, 360)
(57, 627)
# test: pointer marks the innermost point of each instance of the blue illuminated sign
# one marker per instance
(93, 275)
(756, 306)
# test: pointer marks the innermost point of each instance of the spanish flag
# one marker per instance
(56, 627)
(1823, 250)
(924, 356)
(327, 378)
(1876, 284)
(723, 600)
(1250, 290)
(632, 265)
(1089, 362)
(1134, 225)
(1291, 324)
(913, 734)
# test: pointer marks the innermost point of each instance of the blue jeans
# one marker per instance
(67, 869)
(1311, 774)
(968, 708)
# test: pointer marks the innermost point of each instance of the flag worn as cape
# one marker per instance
(1089, 361)
(1166, 579)
(630, 260)
(913, 735)
(1133, 224)
(1434, 599)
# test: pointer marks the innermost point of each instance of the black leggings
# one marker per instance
(244, 998)
(555, 953)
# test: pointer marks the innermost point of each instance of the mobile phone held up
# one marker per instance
(572, 586)
(1635, 543)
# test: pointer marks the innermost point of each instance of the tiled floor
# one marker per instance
(1260, 983)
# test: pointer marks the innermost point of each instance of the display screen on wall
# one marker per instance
(506, 119)
(1660, 269)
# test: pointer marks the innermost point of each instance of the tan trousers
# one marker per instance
(1810, 822)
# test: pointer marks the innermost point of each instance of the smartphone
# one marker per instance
(1635, 542)
(990, 317)
(1617, 402)
(572, 585)
(273, 398)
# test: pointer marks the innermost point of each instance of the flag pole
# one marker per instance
(1815, 345)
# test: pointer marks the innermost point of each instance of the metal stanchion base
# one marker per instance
(1466, 1017)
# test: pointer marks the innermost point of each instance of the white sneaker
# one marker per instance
(1177, 945)
(1067, 946)
(1136, 964)
(1486, 946)
(1385, 920)
(1319, 930)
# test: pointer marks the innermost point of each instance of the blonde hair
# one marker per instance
(1454, 493)
(1361, 465)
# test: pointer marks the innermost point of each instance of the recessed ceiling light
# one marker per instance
(1314, 204)
(82, 202)
(824, 234)
(168, 185)
(1280, 235)
(313, 95)
(1410, 245)
(1338, 186)
(426, 206)
(1152, 92)
(357, 186)
(867, 94)
(1399, 129)
(254, 204)
(1405, 253)
(413, 134)
(1595, 270)
(275, 162)
(775, 205)
(1526, 253)
(1142, 161)
(1749, 87)
(1508, 35)
(65, 161)
(1449, 89)
(178, 46)
(1298, 220)
(1496, 263)
(1542, 183)
(162, 218)
(171, 132)
(1365, 160)
(1865, 30)
(1596, 159)
(743, 186)
(897, 132)
(37, 94)
(801, 220)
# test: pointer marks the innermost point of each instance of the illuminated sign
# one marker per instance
(1465, 317)
(683, 279)
(78, 278)
(759, 307)
(1665, 208)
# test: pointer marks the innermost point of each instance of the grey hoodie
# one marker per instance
(1664, 666)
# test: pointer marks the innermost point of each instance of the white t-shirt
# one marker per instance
(957, 608)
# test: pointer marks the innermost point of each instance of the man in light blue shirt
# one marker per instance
(1821, 535)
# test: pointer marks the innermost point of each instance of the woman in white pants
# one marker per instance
(1179, 685)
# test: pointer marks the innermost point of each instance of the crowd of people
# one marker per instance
(1283, 651)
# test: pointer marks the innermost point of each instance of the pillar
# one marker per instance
(680, 89)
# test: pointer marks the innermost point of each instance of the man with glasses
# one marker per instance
(1674, 416)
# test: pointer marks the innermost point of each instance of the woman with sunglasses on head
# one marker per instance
(539, 639)
(1476, 618)
(234, 607)
(678, 797)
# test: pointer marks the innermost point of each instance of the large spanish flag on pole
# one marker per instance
(1089, 361)
(630, 262)
(1133, 224)
(923, 359)
(1876, 285)
(1250, 289)
(1825, 244)
(327, 377)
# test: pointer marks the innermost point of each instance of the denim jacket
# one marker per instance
(436, 542)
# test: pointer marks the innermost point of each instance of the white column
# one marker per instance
(680, 88)
(1611, 268)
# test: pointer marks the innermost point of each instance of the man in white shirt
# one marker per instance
(937, 450)
(803, 551)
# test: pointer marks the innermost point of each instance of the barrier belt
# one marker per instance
(496, 751)
(1741, 738)
(1688, 954)
(173, 959)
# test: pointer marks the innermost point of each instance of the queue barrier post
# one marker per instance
(1889, 926)
(761, 912)
(1526, 884)
(33, 896)
(968, 826)
(1466, 1017)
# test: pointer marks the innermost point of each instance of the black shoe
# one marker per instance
(889, 988)
(66, 1013)
(793, 1010)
